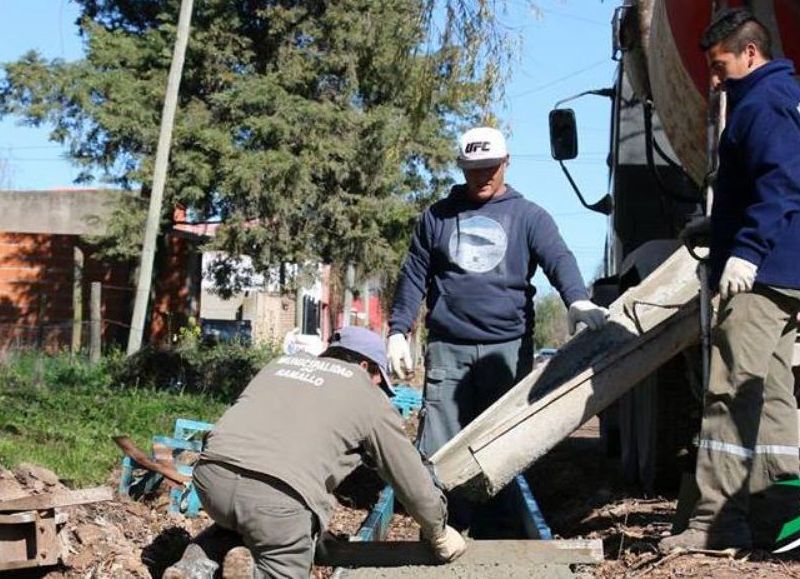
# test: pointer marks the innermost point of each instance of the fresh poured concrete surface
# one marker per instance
(501, 559)
(457, 571)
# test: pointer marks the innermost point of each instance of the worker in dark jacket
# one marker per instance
(748, 439)
(273, 460)
(472, 257)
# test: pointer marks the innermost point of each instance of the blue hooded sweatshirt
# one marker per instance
(756, 213)
(474, 262)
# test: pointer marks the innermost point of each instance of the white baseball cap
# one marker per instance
(481, 147)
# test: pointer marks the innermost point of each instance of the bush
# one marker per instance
(31, 368)
(219, 370)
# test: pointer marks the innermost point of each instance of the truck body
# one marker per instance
(643, 372)
(664, 127)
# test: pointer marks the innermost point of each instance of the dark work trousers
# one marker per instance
(748, 438)
(461, 381)
(274, 522)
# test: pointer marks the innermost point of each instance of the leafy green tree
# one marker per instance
(551, 322)
(315, 130)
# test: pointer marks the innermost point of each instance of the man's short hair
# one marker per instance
(351, 357)
(735, 28)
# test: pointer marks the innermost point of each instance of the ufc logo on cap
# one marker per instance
(478, 145)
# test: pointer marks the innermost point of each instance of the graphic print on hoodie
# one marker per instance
(478, 245)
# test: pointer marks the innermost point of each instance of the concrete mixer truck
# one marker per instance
(665, 124)
(644, 372)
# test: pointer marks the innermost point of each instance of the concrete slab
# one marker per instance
(382, 554)
(457, 571)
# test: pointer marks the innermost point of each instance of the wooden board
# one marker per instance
(411, 553)
(56, 500)
(29, 539)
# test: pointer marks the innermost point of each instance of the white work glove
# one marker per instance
(399, 355)
(448, 545)
(738, 276)
(586, 312)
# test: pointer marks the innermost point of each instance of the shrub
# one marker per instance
(219, 370)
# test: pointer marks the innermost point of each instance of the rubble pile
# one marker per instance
(120, 538)
(128, 539)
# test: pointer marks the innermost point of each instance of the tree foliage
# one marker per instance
(551, 329)
(315, 130)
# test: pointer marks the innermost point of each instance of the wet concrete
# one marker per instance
(457, 571)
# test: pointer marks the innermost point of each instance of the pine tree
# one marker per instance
(315, 130)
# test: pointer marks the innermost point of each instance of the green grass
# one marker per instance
(61, 413)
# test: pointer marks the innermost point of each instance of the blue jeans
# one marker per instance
(461, 381)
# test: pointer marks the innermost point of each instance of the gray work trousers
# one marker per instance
(275, 524)
(748, 438)
(461, 381)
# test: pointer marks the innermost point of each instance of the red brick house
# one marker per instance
(46, 265)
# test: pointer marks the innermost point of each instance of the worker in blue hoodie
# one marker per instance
(472, 256)
(748, 438)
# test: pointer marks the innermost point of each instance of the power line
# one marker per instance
(537, 12)
(543, 120)
(560, 80)
(39, 160)
(12, 148)
(546, 156)
(595, 163)
(575, 17)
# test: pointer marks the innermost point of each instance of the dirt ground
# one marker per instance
(582, 495)
(578, 489)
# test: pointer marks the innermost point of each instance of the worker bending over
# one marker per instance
(272, 462)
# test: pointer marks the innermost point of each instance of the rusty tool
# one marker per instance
(168, 472)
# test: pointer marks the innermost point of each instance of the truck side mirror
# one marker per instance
(563, 134)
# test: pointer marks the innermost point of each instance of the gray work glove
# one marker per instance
(738, 276)
(586, 312)
(448, 545)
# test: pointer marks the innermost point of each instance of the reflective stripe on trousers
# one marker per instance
(748, 438)
(737, 450)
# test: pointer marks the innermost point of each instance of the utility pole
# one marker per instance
(96, 324)
(159, 179)
(365, 302)
(77, 299)
(349, 283)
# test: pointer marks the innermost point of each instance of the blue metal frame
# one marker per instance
(532, 518)
(375, 527)
(188, 436)
(406, 399)
(186, 429)
(377, 524)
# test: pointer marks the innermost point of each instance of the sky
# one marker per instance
(552, 65)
